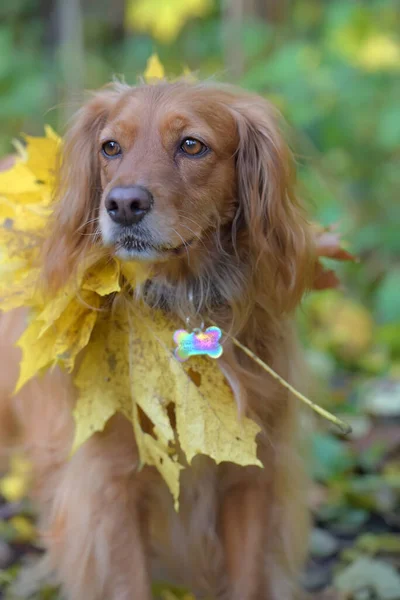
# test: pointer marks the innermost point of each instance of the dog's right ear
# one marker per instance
(78, 192)
(278, 234)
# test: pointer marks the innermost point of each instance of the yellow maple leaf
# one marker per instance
(18, 180)
(153, 395)
(134, 273)
(24, 211)
(103, 377)
(153, 452)
(22, 217)
(44, 345)
(206, 413)
(73, 330)
(14, 485)
(188, 75)
(33, 361)
(17, 285)
(104, 384)
(21, 245)
(164, 19)
(34, 170)
(42, 155)
(154, 69)
(102, 278)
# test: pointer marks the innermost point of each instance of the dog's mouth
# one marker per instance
(130, 246)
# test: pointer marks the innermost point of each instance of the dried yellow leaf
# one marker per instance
(154, 69)
(18, 180)
(25, 530)
(42, 157)
(24, 211)
(135, 273)
(74, 328)
(103, 278)
(44, 345)
(103, 376)
(18, 216)
(14, 485)
(153, 452)
(129, 366)
(17, 285)
(206, 413)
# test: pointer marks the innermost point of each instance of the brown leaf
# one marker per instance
(324, 279)
(328, 245)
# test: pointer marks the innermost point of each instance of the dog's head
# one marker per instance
(182, 174)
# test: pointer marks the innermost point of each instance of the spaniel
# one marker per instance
(195, 180)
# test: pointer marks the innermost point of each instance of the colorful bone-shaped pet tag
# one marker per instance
(198, 342)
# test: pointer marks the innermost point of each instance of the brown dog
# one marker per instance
(197, 180)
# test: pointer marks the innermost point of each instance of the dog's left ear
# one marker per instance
(77, 196)
(271, 216)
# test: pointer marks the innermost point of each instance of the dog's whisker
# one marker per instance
(95, 235)
(183, 214)
(86, 223)
(198, 237)
(195, 234)
(184, 243)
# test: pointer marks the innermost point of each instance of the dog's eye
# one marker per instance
(193, 147)
(111, 148)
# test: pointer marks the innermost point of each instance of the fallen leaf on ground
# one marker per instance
(366, 572)
(329, 245)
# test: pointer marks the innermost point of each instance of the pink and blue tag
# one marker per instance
(198, 342)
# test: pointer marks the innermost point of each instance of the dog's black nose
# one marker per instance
(128, 205)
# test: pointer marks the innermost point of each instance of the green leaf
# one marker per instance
(389, 127)
(375, 574)
(387, 543)
(322, 543)
(331, 457)
(387, 299)
(389, 335)
(382, 398)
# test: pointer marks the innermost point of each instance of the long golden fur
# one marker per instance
(228, 240)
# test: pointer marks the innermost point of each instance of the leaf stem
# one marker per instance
(344, 427)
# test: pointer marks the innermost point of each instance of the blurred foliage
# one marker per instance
(333, 69)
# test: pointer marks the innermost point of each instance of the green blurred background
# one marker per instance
(333, 69)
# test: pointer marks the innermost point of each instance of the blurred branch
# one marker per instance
(232, 20)
(271, 11)
(235, 13)
(71, 53)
